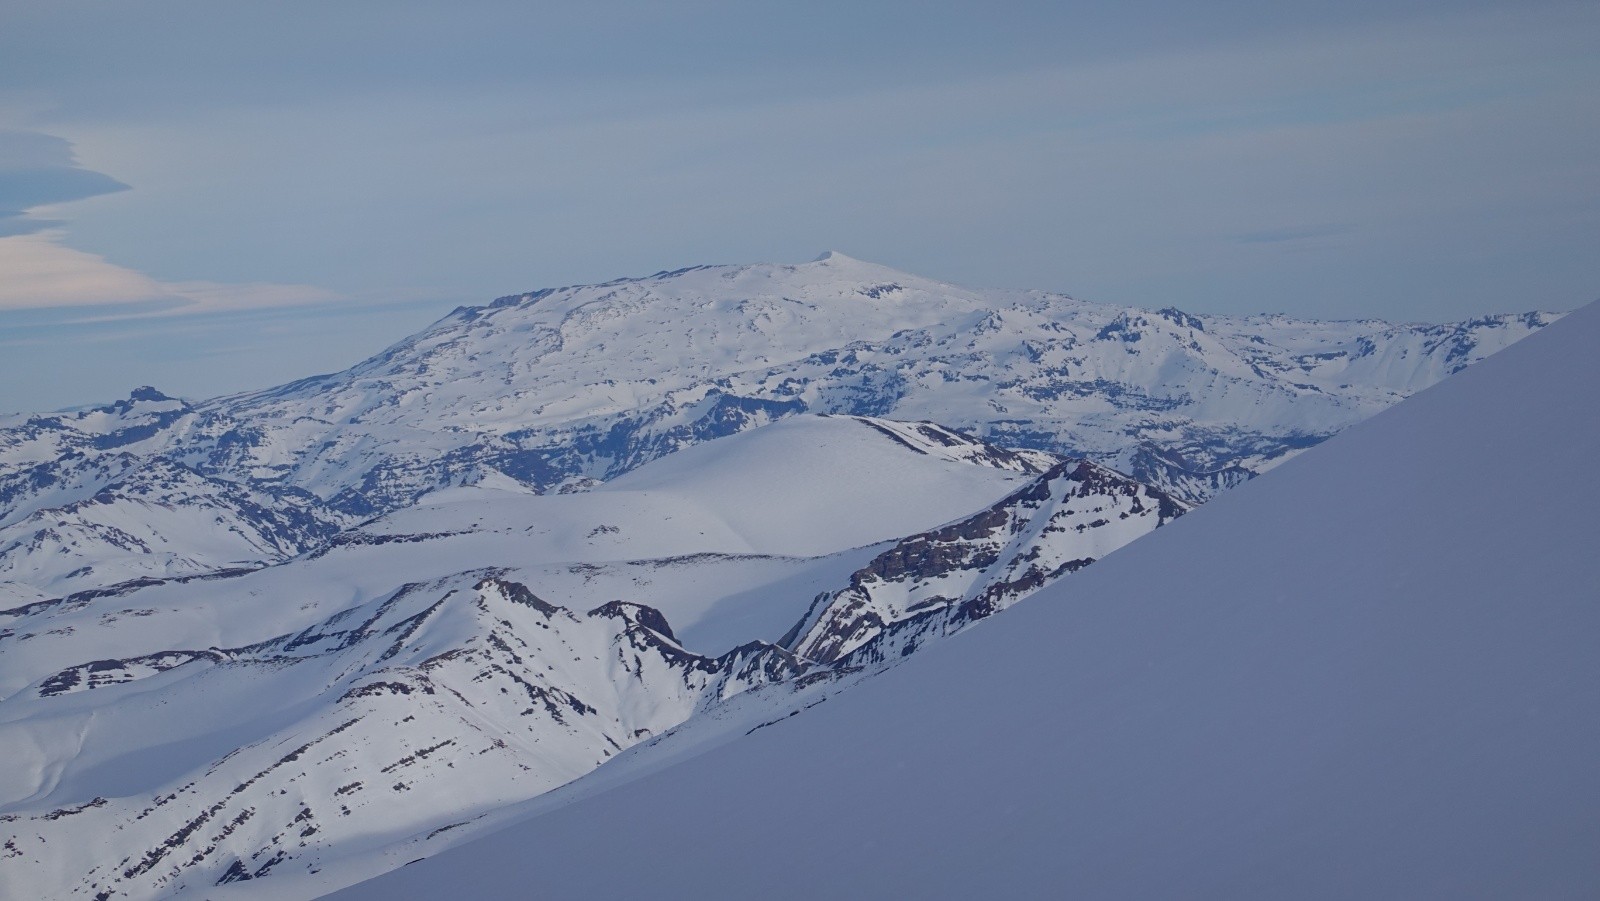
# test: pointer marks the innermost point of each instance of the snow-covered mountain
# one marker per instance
(485, 646)
(1369, 674)
(561, 389)
(938, 581)
(161, 518)
(296, 633)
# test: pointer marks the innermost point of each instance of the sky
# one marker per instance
(213, 197)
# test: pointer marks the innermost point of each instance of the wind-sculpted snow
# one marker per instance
(562, 389)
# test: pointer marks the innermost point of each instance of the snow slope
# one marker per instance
(159, 519)
(424, 670)
(1371, 674)
(674, 538)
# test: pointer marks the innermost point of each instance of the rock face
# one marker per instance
(561, 389)
(440, 700)
(937, 582)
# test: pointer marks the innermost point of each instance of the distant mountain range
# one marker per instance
(561, 389)
(283, 634)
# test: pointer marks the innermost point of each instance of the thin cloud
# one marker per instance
(38, 272)
(40, 170)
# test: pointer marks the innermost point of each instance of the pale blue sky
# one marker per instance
(211, 197)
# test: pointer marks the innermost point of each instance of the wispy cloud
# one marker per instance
(38, 271)
(38, 170)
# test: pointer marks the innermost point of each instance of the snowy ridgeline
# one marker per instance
(561, 389)
(431, 667)
(275, 643)
(1370, 674)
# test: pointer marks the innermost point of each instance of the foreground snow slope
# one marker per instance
(1371, 674)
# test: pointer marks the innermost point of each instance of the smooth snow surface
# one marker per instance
(1370, 674)
(816, 485)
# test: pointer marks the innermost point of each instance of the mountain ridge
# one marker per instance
(203, 742)
(562, 389)
(1390, 697)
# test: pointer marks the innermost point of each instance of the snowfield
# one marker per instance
(424, 670)
(1370, 674)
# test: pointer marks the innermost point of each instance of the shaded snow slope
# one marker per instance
(1369, 675)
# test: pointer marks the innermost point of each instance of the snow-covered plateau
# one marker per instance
(275, 643)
